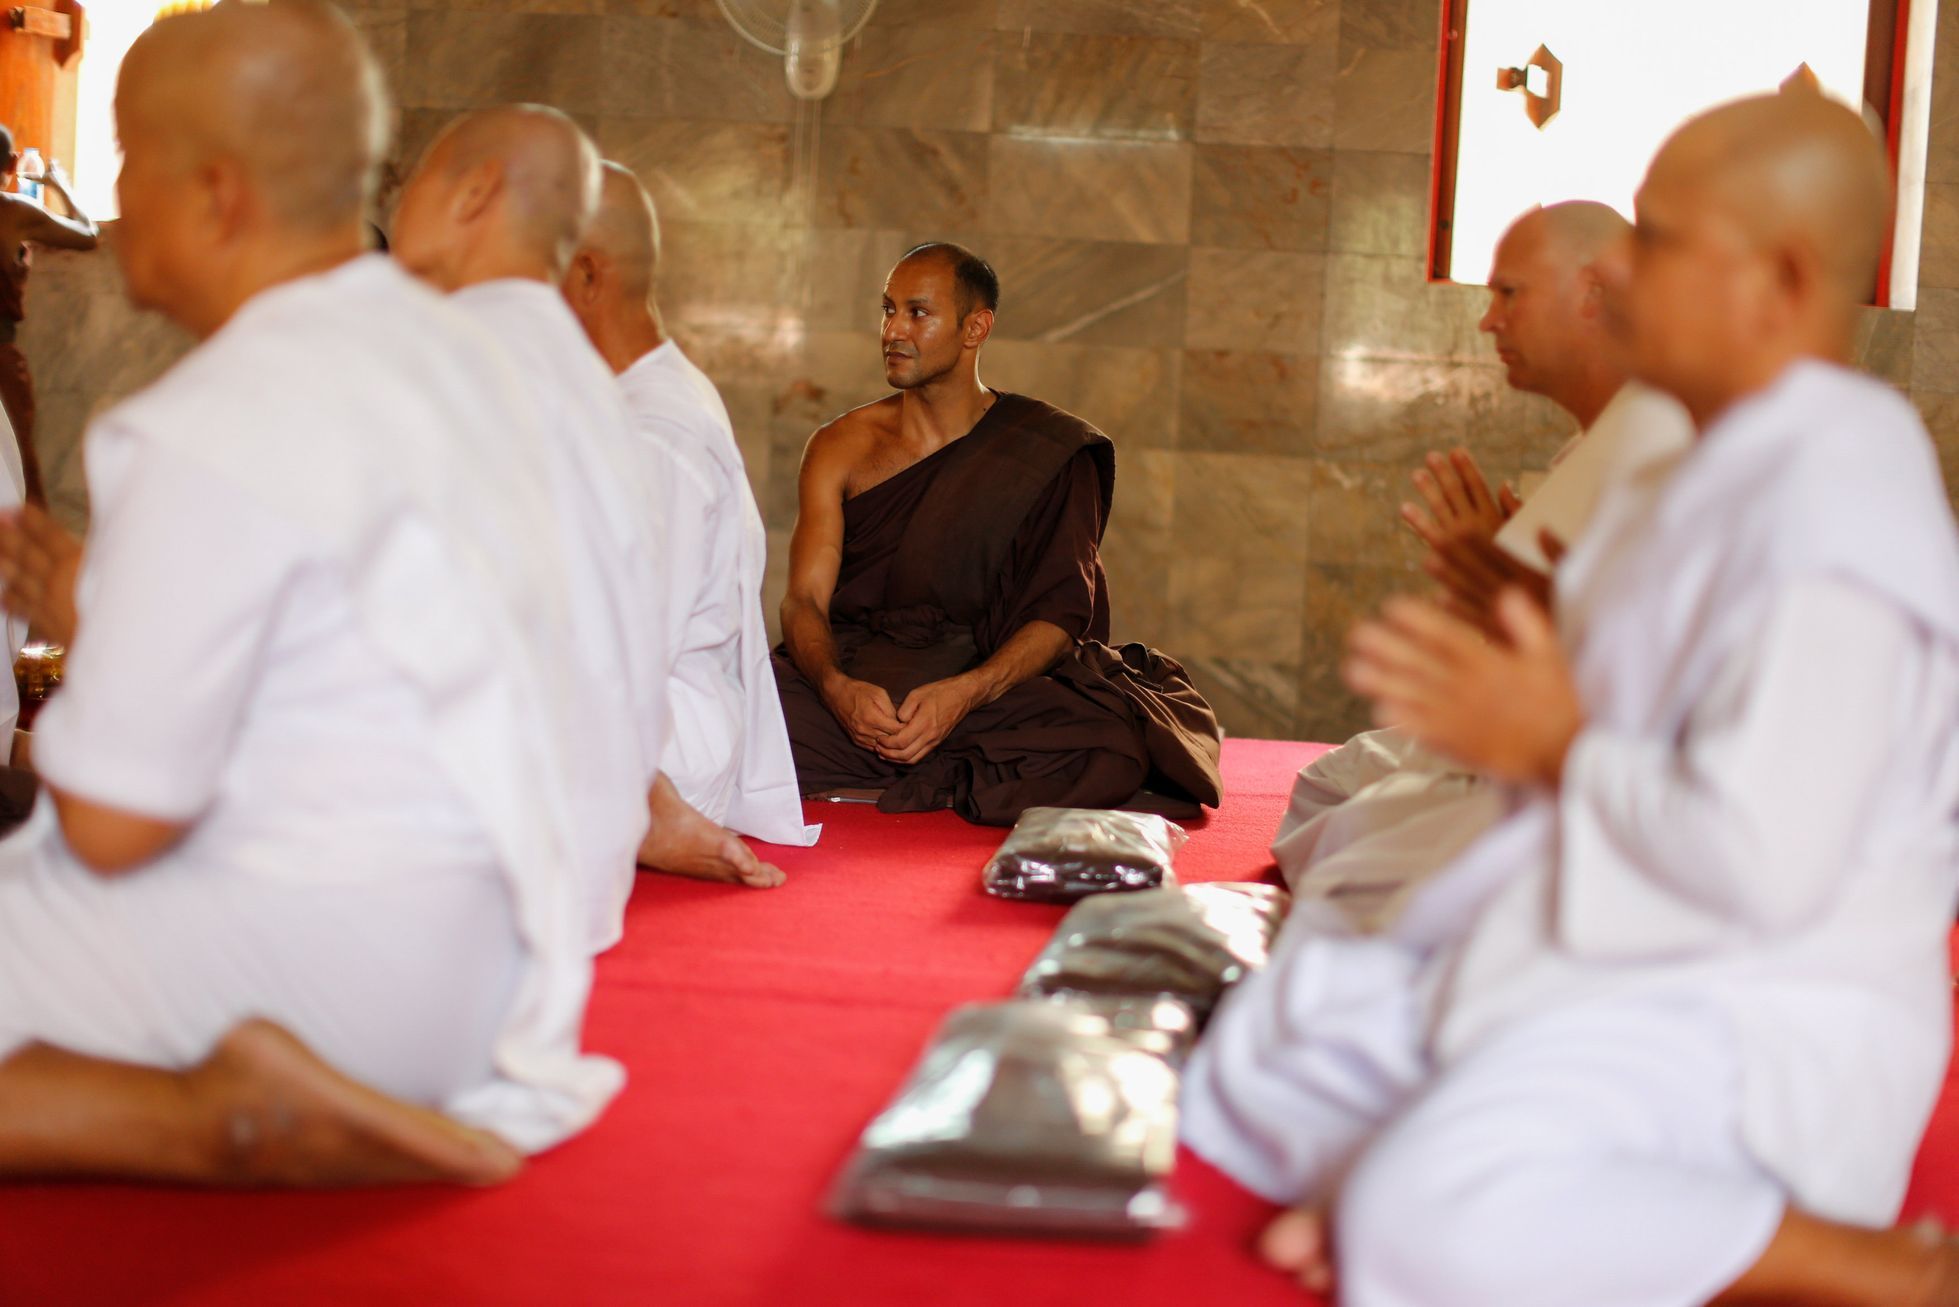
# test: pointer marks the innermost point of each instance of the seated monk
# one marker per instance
(1671, 1032)
(1370, 820)
(491, 215)
(294, 907)
(944, 628)
(726, 765)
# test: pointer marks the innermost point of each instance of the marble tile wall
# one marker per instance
(1209, 217)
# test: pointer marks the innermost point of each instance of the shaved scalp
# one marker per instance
(1585, 229)
(626, 231)
(288, 90)
(550, 171)
(979, 285)
(1795, 168)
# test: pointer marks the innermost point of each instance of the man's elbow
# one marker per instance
(108, 842)
(797, 610)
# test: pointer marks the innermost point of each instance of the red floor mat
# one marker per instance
(761, 1031)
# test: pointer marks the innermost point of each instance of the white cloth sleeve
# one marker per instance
(179, 590)
(1748, 819)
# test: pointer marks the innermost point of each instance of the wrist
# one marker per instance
(1557, 751)
(977, 688)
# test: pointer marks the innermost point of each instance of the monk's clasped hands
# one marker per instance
(39, 560)
(865, 710)
(927, 716)
(1507, 706)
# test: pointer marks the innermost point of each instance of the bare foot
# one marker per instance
(1297, 1244)
(285, 1118)
(684, 843)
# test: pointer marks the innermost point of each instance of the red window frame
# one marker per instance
(1884, 88)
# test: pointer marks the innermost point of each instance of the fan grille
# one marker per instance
(765, 22)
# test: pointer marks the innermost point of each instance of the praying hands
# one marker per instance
(1506, 706)
(1460, 526)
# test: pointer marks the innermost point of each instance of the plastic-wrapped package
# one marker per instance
(1059, 855)
(1026, 1116)
(1191, 943)
(1156, 1023)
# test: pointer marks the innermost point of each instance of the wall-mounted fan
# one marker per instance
(809, 35)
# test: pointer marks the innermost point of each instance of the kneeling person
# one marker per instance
(306, 767)
(725, 762)
(943, 633)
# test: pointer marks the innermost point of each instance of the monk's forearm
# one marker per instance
(812, 646)
(1029, 652)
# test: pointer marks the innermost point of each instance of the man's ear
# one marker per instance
(977, 327)
(583, 278)
(1591, 302)
(477, 190)
(225, 194)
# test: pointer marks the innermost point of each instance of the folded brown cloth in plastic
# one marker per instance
(1059, 855)
(1156, 1023)
(1191, 943)
(1025, 1116)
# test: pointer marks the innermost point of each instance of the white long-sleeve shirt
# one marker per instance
(1761, 809)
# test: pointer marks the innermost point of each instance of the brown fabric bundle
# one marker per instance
(1028, 1116)
(1059, 855)
(1191, 943)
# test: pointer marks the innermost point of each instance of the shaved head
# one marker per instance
(288, 91)
(1546, 314)
(535, 165)
(1581, 230)
(1793, 167)
(626, 231)
(251, 138)
(1761, 227)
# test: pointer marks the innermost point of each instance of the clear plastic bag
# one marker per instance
(1191, 943)
(1059, 855)
(1156, 1023)
(1030, 1116)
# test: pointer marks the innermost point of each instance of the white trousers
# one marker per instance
(1369, 823)
(702, 754)
(1588, 1155)
(401, 981)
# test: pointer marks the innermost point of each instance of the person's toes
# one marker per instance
(763, 875)
(1295, 1241)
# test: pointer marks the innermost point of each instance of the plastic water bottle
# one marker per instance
(32, 171)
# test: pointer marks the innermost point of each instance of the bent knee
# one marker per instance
(1417, 1227)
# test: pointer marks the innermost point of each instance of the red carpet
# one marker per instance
(762, 1030)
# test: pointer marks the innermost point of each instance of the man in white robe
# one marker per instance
(298, 881)
(1370, 820)
(491, 215)
(727, 756)
(1671, 1032)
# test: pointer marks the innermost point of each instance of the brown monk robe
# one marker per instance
(942, 564)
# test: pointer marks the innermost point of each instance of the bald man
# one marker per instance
(298, 880)
(491, 216)
(726, 764)
(1671, 1032)
(946, 624)
(1370, 820)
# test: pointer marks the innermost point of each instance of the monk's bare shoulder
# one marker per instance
(855, 446)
